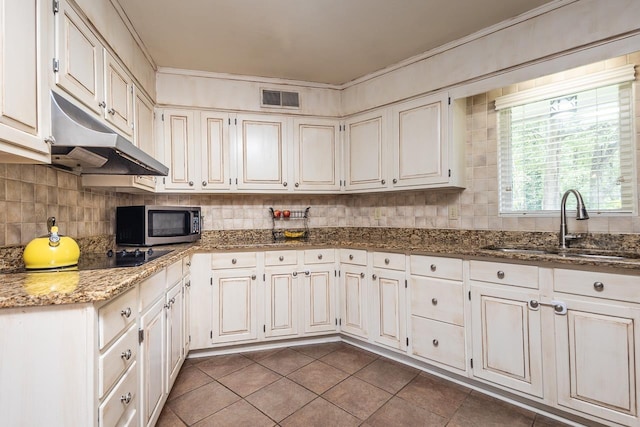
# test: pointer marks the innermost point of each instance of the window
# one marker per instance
(574, 134)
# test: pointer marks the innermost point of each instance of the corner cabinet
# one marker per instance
(21, 95)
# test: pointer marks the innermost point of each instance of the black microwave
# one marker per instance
(157, 225)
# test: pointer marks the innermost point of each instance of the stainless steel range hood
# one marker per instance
(85, 145)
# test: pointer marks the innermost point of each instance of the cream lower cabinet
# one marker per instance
(388, 283)
(319, 291)
(437, 311)
(354, 293)
(281, 294)
(598, 345)
(152, 356)
(174, 309)
(506, 333)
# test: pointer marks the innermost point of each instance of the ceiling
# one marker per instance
(323, 41)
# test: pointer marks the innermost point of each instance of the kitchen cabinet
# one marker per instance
(437, 311)
(21, 132)
(319, 293)
(281, 294)
(201, 305)
(215, 146)
(263, 152)
(118, 96)
(316, 147)
(186, 301)
(388, 285)
(506, 333)
(174, 310)
(179, 145)
(354, 292)
(365, 151)
(597, 343)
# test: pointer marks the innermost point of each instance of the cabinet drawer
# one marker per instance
(114, 317)
(594, 284)
(116, 359)
(504, 274)
(121, 401)
(319, 256)
(280, 258)
(437, 300)
(443, 268)
(151, 289)
(234, 260)
(441, 342)
(174, 273)
(353, 256)
(389, 260)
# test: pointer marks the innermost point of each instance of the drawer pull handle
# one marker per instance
(433, 267)
(351, 257)
(598, 286)
(126, 312)
(435, 343)
(559, 307)
(233, 261)
(305, 272)
(434, 301)
(362, 275)
(500, 274)
(126, 355)
(387, 261)
(281, 258)
(126, 398)
(319, 256)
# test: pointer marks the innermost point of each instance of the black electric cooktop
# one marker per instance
(119, 258)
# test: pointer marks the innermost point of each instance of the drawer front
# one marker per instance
(507, 274)
(319, 256)
(280, 258)
(121, 401)
(234, 260)
(389, 260)
(353, 256)
(114, 317)
(116, 359)
(441, 342)
(438, 300)
(174, 273)
(594, 284)
(151, 289)
(443, 268)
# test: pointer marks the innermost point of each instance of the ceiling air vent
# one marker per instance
(277, 98)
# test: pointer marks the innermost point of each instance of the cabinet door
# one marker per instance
(262, 153)
(353, 295)
(118, 96)
(152, 355)
(597, 364)
(419, 135)
(319, 299)
(281, 297)
(316, 155)
(186, 315)
(201, 308)
(81, 59)
(143, 136)
(175, 344)
(365, 151)
(215, 151)
(507, 347)
(389, 308)
(179, 146)
(234, 303)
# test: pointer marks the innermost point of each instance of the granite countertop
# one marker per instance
(91, 286)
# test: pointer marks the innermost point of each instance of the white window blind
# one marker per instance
(574, 134)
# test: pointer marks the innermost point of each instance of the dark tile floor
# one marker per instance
(332, 384)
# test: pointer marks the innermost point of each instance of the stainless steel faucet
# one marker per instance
(580, 215)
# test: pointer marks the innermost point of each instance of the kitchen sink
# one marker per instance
(595, 254)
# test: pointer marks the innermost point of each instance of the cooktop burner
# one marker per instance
(119, 258)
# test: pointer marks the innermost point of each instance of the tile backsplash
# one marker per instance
(29, 194)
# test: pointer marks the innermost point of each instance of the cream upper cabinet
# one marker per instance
(419, 142)
(365, 151)
(179, 146)
(118, 96)
(316, 151)
(262, 152)
(143, 123)
(215, 155)
(80, 57)
(20, 123)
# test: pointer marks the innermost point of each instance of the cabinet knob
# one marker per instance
(598, 286)
(374, 277)
(112, 111)
(383, 182)
(362, 275)
(126, 398)
(319, 256)
(188, 284)
(395, 181)
(435, 343)
(351, 257)
(102, 104)
(285, 183)
(126, 355)
(233, 261)
(387, 261)
(126, 312)
(434, 301)
(204, 183)
(188, 263)
(433, 267)
(253, 277)
(500, 274)
(297, 184)
(281, 258)
(190, 183)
